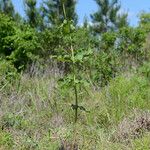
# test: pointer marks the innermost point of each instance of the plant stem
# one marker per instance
(64, 11)
(75, 85)
(76, 103)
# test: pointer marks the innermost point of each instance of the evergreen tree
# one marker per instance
(7, 7)
(41, 21)
(31, 12)
(85, 22)
(107, 17)
(121, 20)
(70, 10)
(54, 13)
(144, 21)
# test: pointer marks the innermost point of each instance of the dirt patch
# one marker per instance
(65, 145)
(133, 127)
(57, 121)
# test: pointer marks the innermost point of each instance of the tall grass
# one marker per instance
(35, 115)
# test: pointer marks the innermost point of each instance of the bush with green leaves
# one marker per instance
(55, 42)
(130, 43)
(11, 120)
(7, 29)
(108, 41)
(18, 42)
(104, 67)
(145, 69)
(75, 59)
(145, 21)
(8, 73)
(26, 47)
(105, 61)
(118, 52)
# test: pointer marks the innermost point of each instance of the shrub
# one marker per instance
(13, 121)
(8, 73)
(7, 29)
(145, 70)
(130, 43)
(26, 47)
(104, 66)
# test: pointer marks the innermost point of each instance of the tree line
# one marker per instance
(47, 31)
(50, 13)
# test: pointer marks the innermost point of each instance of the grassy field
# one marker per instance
(67, 84)
(36, 115)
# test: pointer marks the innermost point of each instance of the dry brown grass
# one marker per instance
(133, 127)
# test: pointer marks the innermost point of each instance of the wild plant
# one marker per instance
(73, 58)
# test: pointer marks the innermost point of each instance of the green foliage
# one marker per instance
(70, 6)
(122, 21)
(21, 46)
(74, 58)
(132, 39)
(118, 51)
(54, 11)
(105, 67)
(7, 29)
(26, 47)
(130, 43)
(8, 73)
(107, 107)
(6, 140)
(49, 40)
(105, 63)
(124, 94)
(145, 21)
(56, 42)
(145, 69)
(31, 12)
(81, 67)
(142, 143)
(7, 7)
(13, 121)
(108, 41)
(107, 17)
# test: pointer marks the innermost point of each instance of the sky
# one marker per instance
(86, 7)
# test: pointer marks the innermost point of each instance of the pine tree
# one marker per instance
(70, 10)
(41, 21)
(31, 12)
(53, 10)
(107, 17)
(7, 8)
(85, 22)
(144, 21)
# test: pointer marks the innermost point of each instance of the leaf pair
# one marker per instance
(79, 107)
